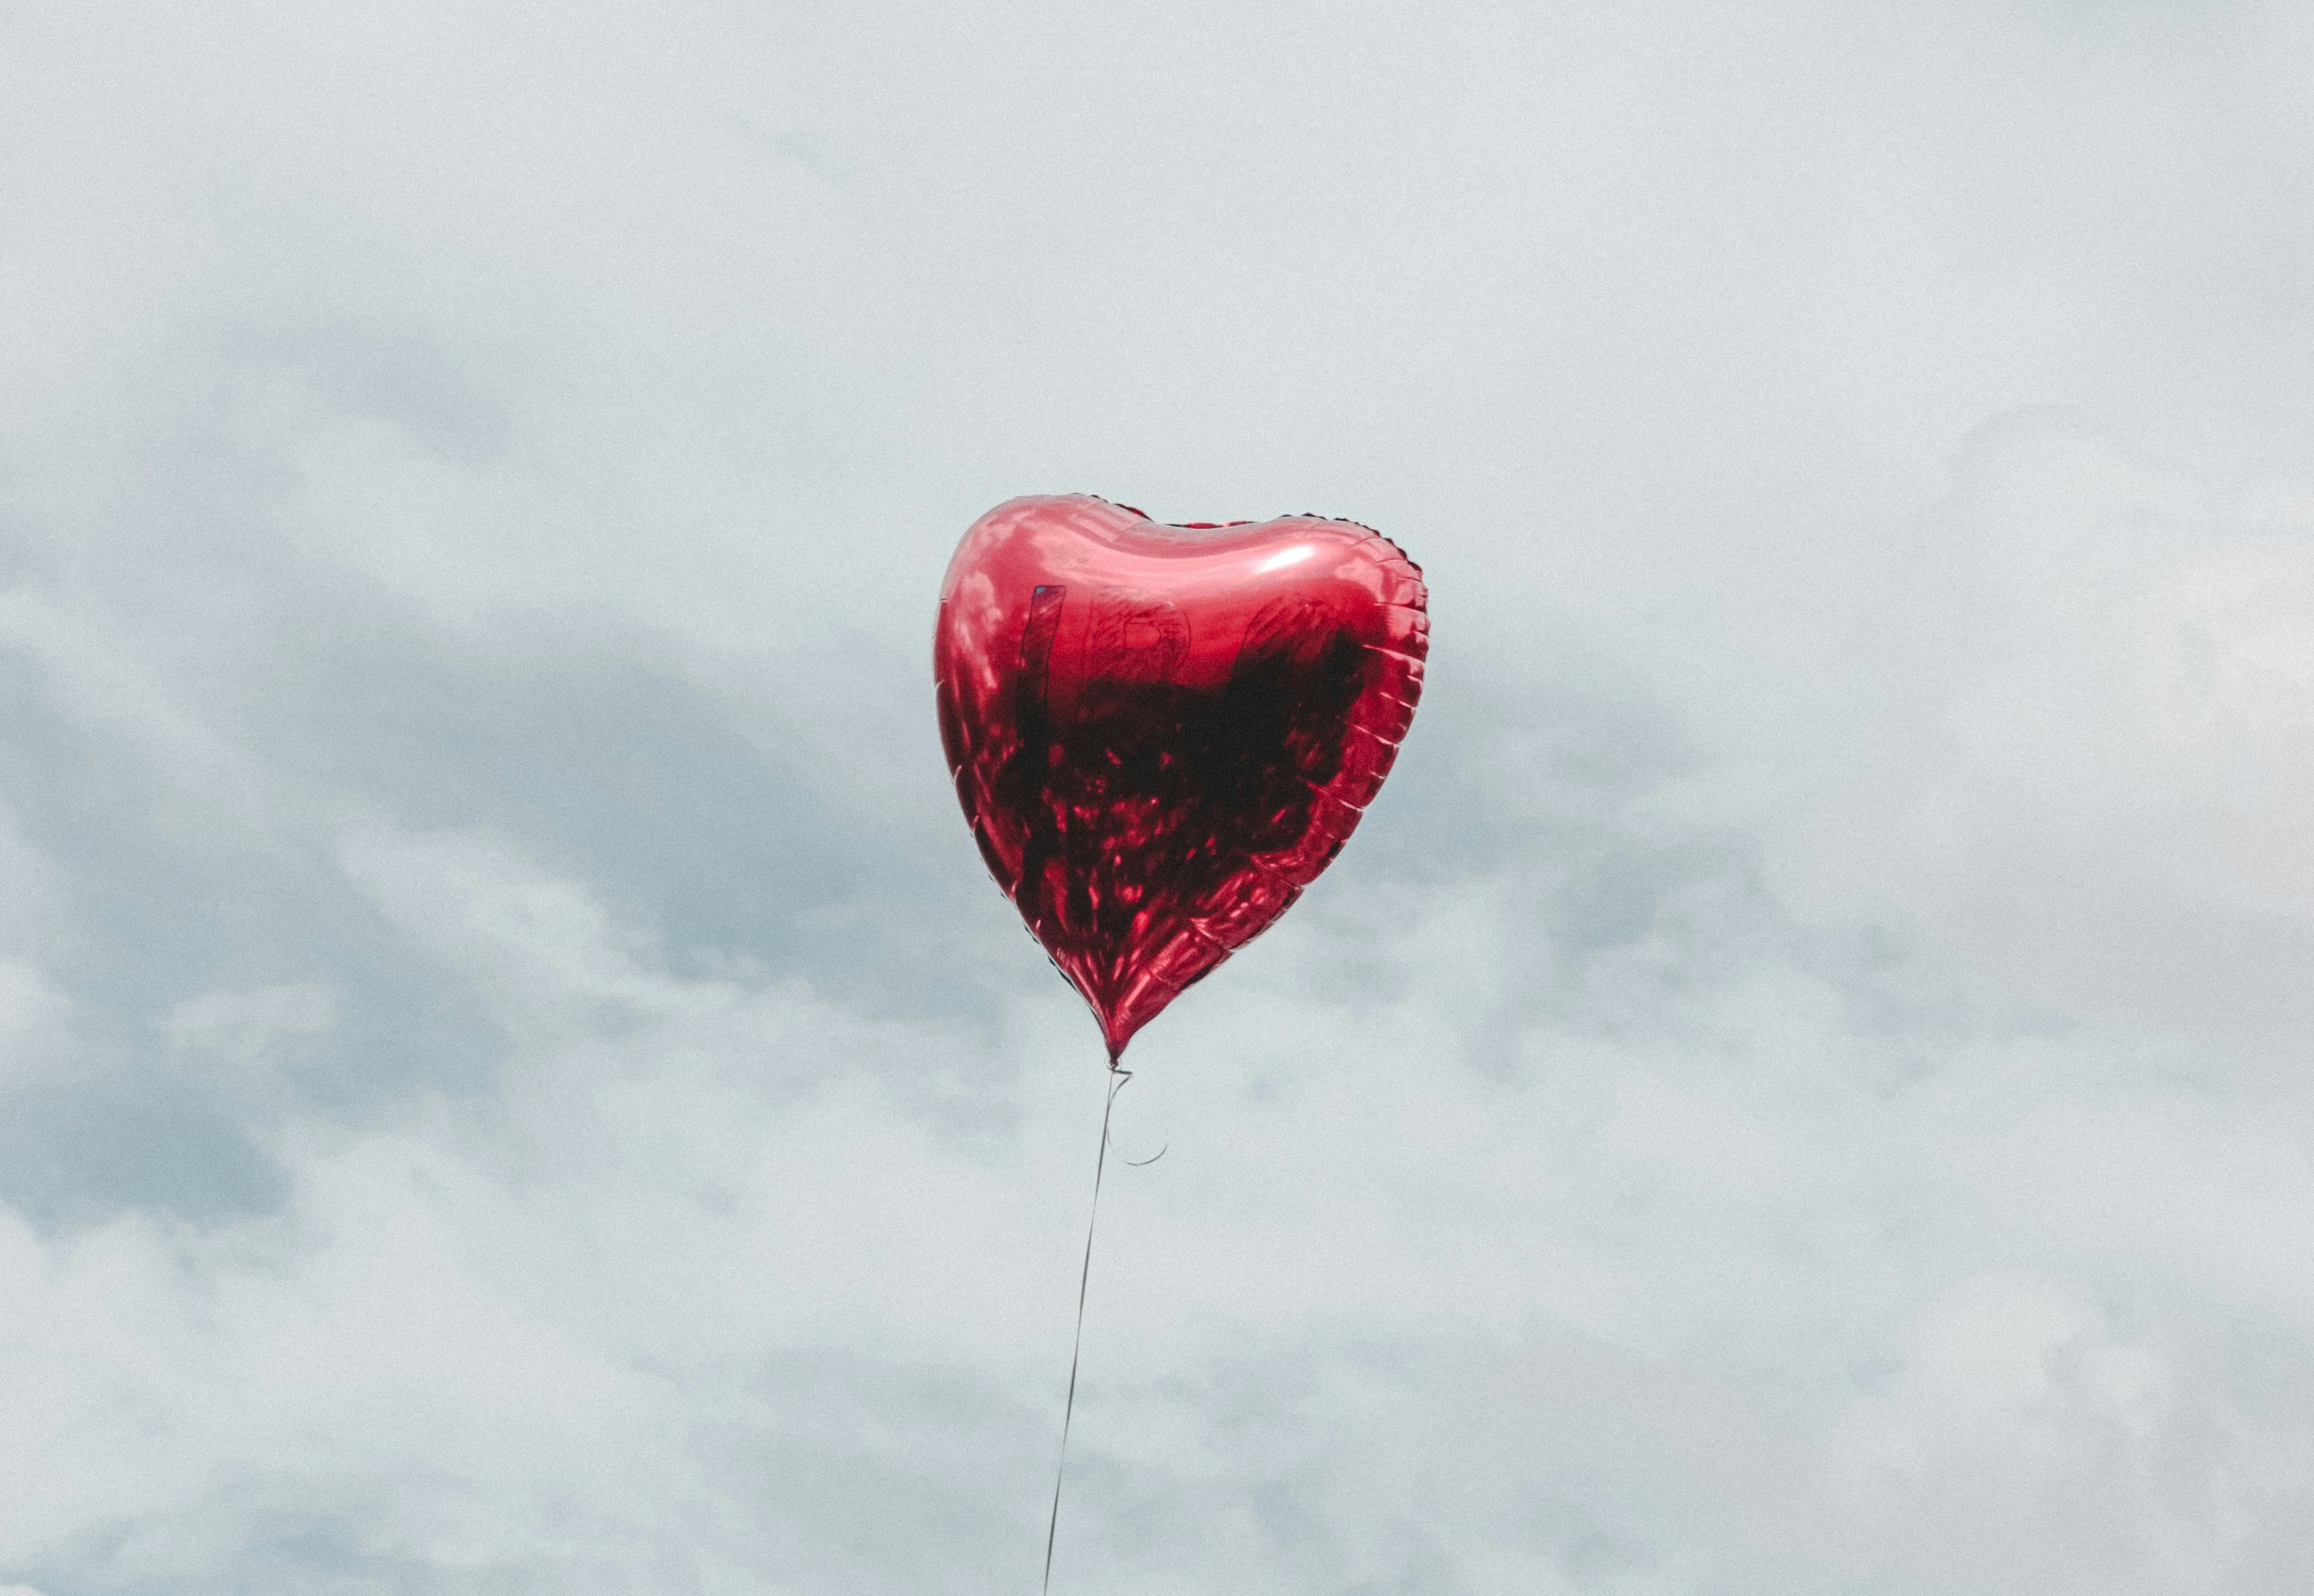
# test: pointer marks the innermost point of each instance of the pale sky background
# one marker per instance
(513, 1077)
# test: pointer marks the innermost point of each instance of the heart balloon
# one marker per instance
(1161, 735)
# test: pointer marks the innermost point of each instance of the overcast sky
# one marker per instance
(513, 1077)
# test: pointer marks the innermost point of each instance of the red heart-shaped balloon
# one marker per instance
(1161, 735)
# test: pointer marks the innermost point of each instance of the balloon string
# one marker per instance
(1118, 1077)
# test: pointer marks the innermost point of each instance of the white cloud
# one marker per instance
(240, 1027)
(36, 1038)
(2079, 761)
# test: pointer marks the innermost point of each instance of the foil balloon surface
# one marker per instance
(1161, 735)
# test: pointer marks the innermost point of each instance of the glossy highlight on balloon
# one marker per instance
(1161, 734)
